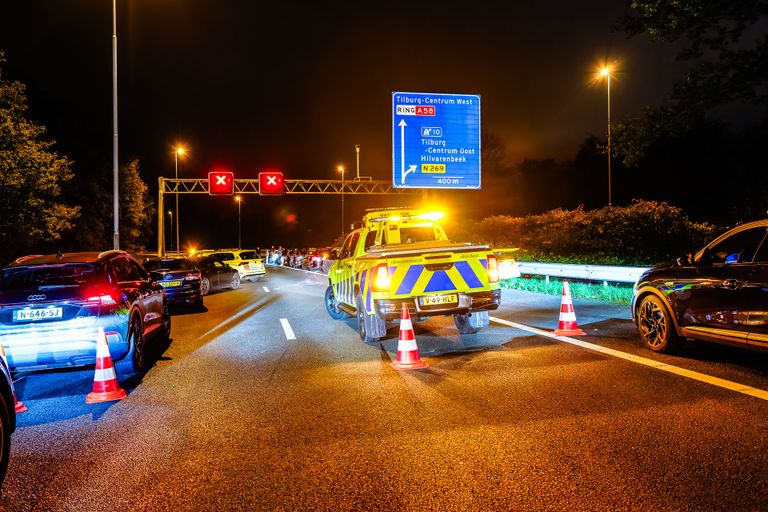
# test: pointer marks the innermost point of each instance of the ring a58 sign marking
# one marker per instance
(435, 140)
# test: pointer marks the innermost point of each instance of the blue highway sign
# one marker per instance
(435, 140)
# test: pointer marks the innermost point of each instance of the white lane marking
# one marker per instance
(233, 317)
(287, 328)
(702, 377)
(266, 289)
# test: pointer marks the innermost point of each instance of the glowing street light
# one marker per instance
(170, 212)
(341, 170)
(179, 152)
(239, 240)
(605, 73)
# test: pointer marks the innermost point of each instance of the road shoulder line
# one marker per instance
(701, 377)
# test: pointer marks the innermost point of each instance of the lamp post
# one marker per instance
(605, 72)
(170, 212)
(341, 170)
(239, 240)
(115, 171)
(180, 151)
(357, 157)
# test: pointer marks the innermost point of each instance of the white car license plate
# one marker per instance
(25, 315)
(170, 284)
(436, 300)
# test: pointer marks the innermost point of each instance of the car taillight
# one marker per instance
(381, 278)
(493, 269)
(192, 275)
(102, 300)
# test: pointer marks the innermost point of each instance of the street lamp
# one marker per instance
(239, 240)
(341, 170)
(180, 151)
(170, 212)
(357, 157)
(605, 72)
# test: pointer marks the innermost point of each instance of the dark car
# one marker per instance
(215, 274)
(180, 278)
(720, 294)
(7, 416)
(317, 257)
(53, 307)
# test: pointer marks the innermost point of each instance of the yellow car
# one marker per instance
(246, 261)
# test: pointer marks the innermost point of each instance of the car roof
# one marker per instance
(67, 257)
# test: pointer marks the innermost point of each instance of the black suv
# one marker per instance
(720, 294)
(53, 307)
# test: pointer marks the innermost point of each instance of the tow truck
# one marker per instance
(403, 256)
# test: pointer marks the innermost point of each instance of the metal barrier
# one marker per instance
(605, 273)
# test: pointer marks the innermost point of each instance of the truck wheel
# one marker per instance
(332, 307)
(371, 327)
(470, 323)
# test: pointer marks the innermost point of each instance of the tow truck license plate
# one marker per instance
(23, 315)
(170, 284)
(434, 300)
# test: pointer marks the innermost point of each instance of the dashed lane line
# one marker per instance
(266, 289)
(287, 328)
(701, 377)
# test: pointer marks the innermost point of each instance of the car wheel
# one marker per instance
(370, 327)
(235, 281)
(468, 323)
(5, 436)
(165, 328)
(136, 359)
(332, 307)
(205, 286)
(657, 331)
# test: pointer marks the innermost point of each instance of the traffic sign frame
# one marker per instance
(436, 141)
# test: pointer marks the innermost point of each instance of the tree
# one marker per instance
(136, 208)
(729, 64)
(32, 217)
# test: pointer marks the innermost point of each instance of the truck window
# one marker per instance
(370, 240)
(348, 249)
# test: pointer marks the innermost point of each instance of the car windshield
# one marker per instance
(249, 255)
(169, 264)
(49, 277)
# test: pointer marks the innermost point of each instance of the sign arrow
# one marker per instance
(411, 168)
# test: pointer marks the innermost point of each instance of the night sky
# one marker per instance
(295, 86)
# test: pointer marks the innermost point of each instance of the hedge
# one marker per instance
(644, 233)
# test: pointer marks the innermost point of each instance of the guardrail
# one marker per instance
(605, 273)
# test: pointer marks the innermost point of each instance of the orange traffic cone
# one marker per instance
(18, 406)
(105, 386)
(407, 352)
(567, 325)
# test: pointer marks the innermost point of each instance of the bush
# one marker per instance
(644, 233)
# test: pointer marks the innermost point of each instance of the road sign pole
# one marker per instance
(160, 218)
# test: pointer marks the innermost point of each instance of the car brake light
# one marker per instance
(192, 275)
(102, 300)
(493, 269)
(381, 278)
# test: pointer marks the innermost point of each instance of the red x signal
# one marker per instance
(271, 183)
(221, 183)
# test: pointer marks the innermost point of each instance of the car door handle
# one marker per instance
(732, 284)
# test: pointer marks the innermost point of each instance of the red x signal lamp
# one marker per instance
(271, 183)
(221, 183)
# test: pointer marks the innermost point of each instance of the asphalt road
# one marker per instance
(237, 415)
